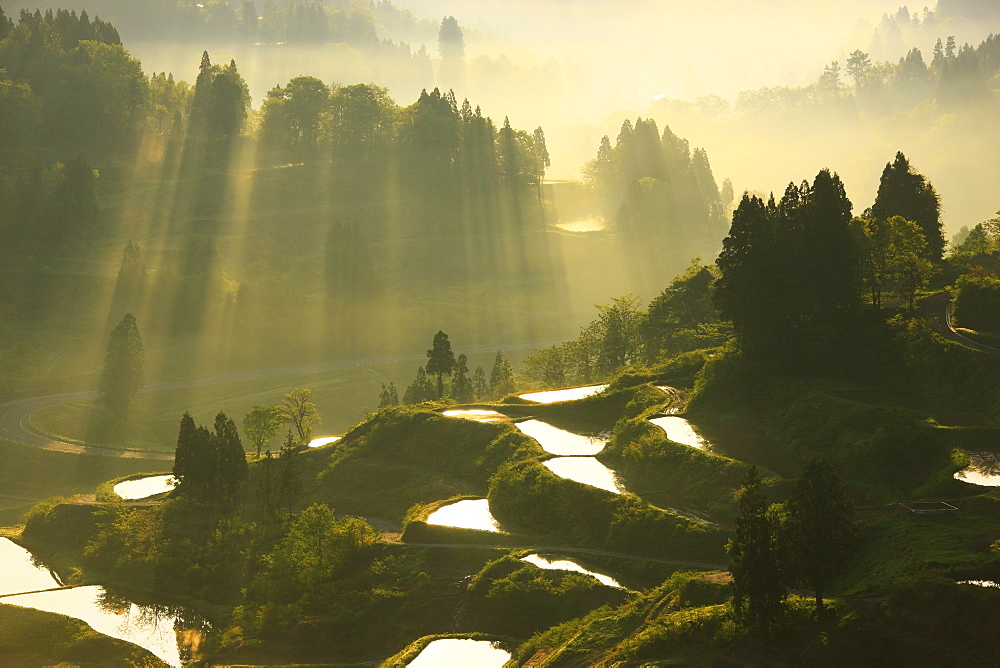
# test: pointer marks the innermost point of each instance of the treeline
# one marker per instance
(659, 195)
(253, 21)
(681, 319)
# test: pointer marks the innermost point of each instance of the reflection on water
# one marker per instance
(152, 628)
(468, 514)
(594, 224)
(477, 414)
(680, 431)
(983, 469)
(461, 652)
(571, 394)
(559, 441)
(586, 470)
(980, 583)
(19, 572)
(323, 440)
(569, 565)
(142, 488)
(171, 633)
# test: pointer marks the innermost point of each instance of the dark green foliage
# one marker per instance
(440, 360)
(682, 317)
(905, 192)
(461, 386)
(122, 376)
(788, 270)
(289, 486)
(977, 303)
(210, 467)
(517, 598)
(758, 592)
(819, 531)
(501, 378)
(388, 397)
(420, 390)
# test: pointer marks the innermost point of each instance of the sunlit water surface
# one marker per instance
(569, 565)
(586, 470)
(19, 574)
(477, 414)
(680, 431)
(558, 441)
(142, 488)
(323, 440)
(571, 394)
(984, 469)
(594, 224)
(461, 652)
(150, 627)
(980, 583)
(467, 514)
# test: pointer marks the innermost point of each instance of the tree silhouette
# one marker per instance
(821, 534)
(123, 375)
(904, 192)
(758, 593)
(440, 360)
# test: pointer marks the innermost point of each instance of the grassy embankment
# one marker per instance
(29, 475)
(33, 638)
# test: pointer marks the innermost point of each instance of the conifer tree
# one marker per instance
(289, 484)
(501, 377)
(461, 387)
(758, 593)
(232, 470)
(820, 531)
(122, 376)
(440, 360)
(907, 193)
(480, 386)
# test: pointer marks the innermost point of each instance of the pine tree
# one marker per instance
(440, 360)
(185, 455)
(758, 593)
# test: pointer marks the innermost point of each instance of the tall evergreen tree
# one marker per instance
(820, 531)
(501, 377)
(123, 375)
(185, 456)
(289, 483)
(461, 386)
(232, 468)
(440, 360)
(758, 593)
(907, 193)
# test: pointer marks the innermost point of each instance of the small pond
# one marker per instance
(467, 514)
(569, 565)
(983, 469)
(158, 629)
(680, 431)
(142, 488)
(558, 441)
(571, 394)
(586, 470)
(461, 652)
(323, 440)
(477, 414)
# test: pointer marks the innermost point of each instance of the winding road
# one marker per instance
(15, 416)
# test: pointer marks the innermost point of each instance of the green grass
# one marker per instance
(28, 475)
(34, 638)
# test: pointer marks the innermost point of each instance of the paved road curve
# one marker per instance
(15, 416)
